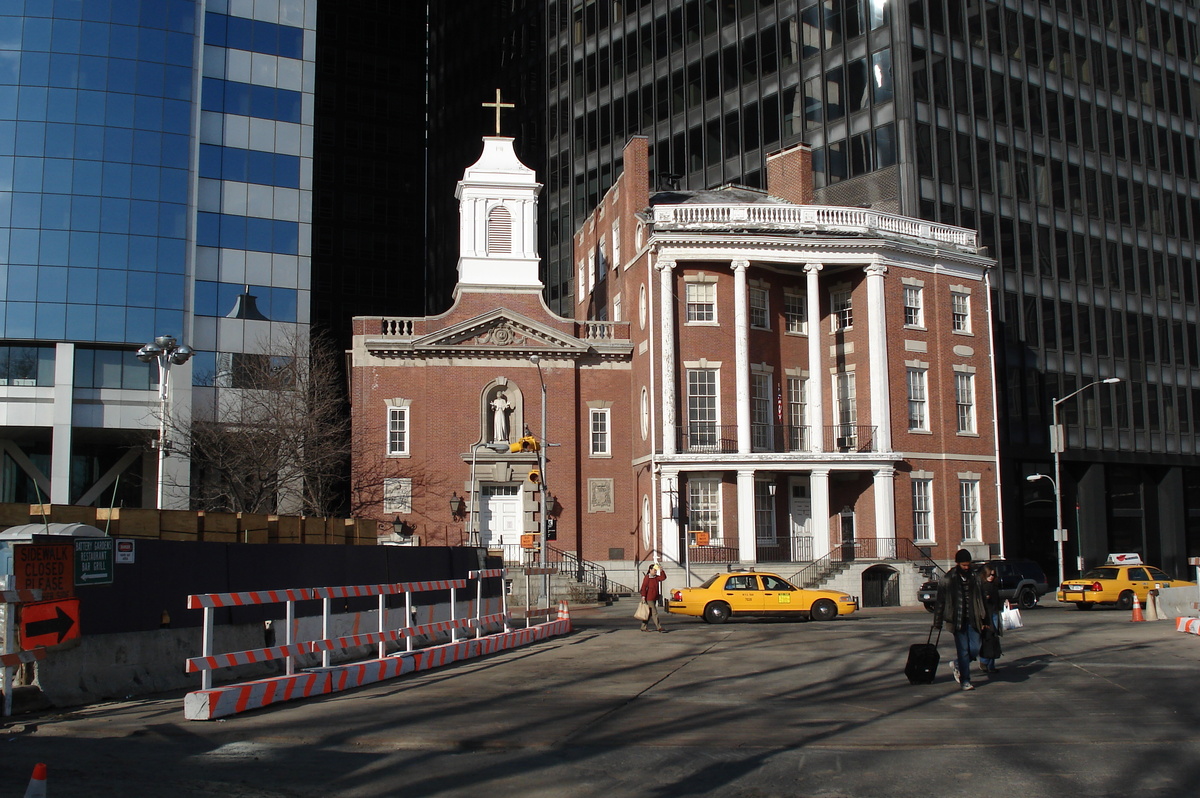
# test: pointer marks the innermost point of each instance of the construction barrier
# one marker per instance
(1188, 625)
(11, 657)
(210, 703)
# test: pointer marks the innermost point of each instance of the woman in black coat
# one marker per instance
(992, 604)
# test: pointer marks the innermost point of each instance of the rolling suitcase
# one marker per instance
(923, 660)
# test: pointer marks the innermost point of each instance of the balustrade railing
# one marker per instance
(811, 218)
(798, 548)
(850, 438)
(705, 438)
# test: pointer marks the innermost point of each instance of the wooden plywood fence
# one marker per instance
(195, 525)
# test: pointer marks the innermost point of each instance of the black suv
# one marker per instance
(1022, 582)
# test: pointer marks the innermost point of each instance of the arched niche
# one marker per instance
(503, 390)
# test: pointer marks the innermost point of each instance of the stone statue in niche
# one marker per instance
(501, 407)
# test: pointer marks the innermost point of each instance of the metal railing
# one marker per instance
(568, 563)
(712, 554)
(859, 549)
(850, 438)
(798, 548)
(704, 438)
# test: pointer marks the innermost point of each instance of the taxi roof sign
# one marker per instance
(1131, 558)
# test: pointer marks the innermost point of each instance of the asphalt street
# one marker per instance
(1087, 704)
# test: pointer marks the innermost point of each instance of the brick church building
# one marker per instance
(750, 378)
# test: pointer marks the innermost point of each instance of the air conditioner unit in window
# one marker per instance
(848, 442)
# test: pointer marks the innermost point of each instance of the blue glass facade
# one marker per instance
(155, 163)
(95, 149)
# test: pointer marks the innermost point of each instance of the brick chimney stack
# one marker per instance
(789, 174)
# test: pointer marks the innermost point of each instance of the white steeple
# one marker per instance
(498, 221)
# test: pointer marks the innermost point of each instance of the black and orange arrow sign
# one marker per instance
(48, 623)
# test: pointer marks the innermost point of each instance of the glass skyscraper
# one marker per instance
(155, 168)
(1065, 131)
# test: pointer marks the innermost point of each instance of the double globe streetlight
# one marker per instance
(1058, 441)
(168, 352)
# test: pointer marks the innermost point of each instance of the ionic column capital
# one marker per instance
(876, 269)
(740, 265)
(813, 268)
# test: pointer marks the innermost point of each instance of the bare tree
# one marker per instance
(275, 435)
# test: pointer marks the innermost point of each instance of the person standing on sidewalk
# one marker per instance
(650, 591)
(989, 582)
(960, 603)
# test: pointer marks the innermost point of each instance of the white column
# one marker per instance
(816, 375)
(881, 403)
(669, 502)
(818, 482)
(747, 537)
(741, 354)
(60, 446)
(885, 511)
(666, 326)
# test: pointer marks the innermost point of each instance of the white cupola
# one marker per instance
(498, 221)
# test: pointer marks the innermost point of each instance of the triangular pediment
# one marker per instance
(498, 333)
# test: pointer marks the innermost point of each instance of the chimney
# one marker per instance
(789, 174)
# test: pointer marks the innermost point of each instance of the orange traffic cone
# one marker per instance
(37, 784)
(1137, 611)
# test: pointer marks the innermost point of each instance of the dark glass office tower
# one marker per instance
(1065, 132)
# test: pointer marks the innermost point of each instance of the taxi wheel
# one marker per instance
(716, 612)
(1125, 600)
(823, 610)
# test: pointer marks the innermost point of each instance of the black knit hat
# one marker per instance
(962, 556)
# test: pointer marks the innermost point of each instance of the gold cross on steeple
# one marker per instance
(498, 105)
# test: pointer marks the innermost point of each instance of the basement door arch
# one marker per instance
(881, 586)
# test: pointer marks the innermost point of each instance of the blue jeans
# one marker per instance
(966, 648)
(988, 662)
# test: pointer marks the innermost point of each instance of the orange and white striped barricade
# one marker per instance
(489, 573)
(328, 593)
(536, 571)
(211, 601)
(13, 656)
(453, 585)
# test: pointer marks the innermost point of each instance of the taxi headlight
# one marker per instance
(847, 598)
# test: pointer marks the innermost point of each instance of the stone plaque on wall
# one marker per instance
(600, 496)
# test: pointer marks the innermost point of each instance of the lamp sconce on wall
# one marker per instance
(458, 506)
(402, 527)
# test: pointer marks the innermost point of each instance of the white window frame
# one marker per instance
(964, 402)
(960, 312)
(761, 419)
(760, 308)
(701, 300)
(795, 313)
(968, 502)
(917, 380)
(397, 495)
(764, 513)
(704, 508)
(695, 418)
(922, 510)
(914, 306)
(617, 313)
(845, 397)
(600, 431)
(398, 428)
(797, 408)
(616, 243)
(841, 309)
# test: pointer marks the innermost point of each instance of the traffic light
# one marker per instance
(535, 476)
(526, 444)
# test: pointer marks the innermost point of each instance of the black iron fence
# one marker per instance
(704, 438)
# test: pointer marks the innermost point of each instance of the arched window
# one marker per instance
(499, 230)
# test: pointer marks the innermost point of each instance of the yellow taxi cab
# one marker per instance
(1122, 577)
(750, 593)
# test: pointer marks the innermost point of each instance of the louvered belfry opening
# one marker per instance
(499, 231)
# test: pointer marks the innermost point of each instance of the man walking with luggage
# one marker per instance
(960, 603)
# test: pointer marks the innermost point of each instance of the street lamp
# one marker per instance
(168, 352)
(537, 361)
(1058, 442)
(1058, 537)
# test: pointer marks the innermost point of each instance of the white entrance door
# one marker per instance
(500, 516)
(801, 521)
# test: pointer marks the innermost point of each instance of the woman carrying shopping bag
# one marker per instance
(650, 592)
(989, 647)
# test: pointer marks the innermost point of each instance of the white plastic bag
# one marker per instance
(1010, 617)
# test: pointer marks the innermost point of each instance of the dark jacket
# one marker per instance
(992, 603)
(650, 585)
(948, 604)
